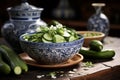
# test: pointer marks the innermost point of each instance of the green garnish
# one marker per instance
(88, 64)
(52, 74)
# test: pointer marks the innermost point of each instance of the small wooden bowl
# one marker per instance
(91, 35)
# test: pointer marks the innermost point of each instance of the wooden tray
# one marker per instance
(74, 60)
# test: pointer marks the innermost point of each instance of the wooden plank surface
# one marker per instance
(106, 69)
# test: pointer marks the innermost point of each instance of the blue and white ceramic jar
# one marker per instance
(21, 18)
(98, 21)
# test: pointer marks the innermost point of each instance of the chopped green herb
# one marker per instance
(52, 74)
(88, 64)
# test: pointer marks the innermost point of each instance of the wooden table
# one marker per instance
(102, 69)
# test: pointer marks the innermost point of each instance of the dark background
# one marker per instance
(83, 10)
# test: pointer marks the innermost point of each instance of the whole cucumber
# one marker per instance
(11, 60)
(96, 45)
(4, 67)
(16, 63)
(106, 54)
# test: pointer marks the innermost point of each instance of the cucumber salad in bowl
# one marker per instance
(54, 32)
(51, 44)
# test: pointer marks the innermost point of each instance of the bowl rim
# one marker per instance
(100, 36)
(71, 42)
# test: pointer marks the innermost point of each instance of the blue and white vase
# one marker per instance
(21, 18)
(98, 21)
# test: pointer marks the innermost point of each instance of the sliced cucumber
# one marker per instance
(17, 70)
(47, 36)
(45, 41)
(60, 31)
(72, 38)
(58, 39)
(66, 34)
(51, 30)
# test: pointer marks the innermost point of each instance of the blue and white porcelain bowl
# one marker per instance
(51, 53)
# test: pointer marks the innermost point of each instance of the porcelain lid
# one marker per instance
(24, 6)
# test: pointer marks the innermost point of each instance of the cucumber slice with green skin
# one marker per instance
(46, 41)
(17, 70)
(58, 39)
(66, 34)
(47, 36)
(4, 67)
(72, 38)
(60, 31)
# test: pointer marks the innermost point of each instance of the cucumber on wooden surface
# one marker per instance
(97, 55)
(4, 67)
(96, 45)
(15, 62)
